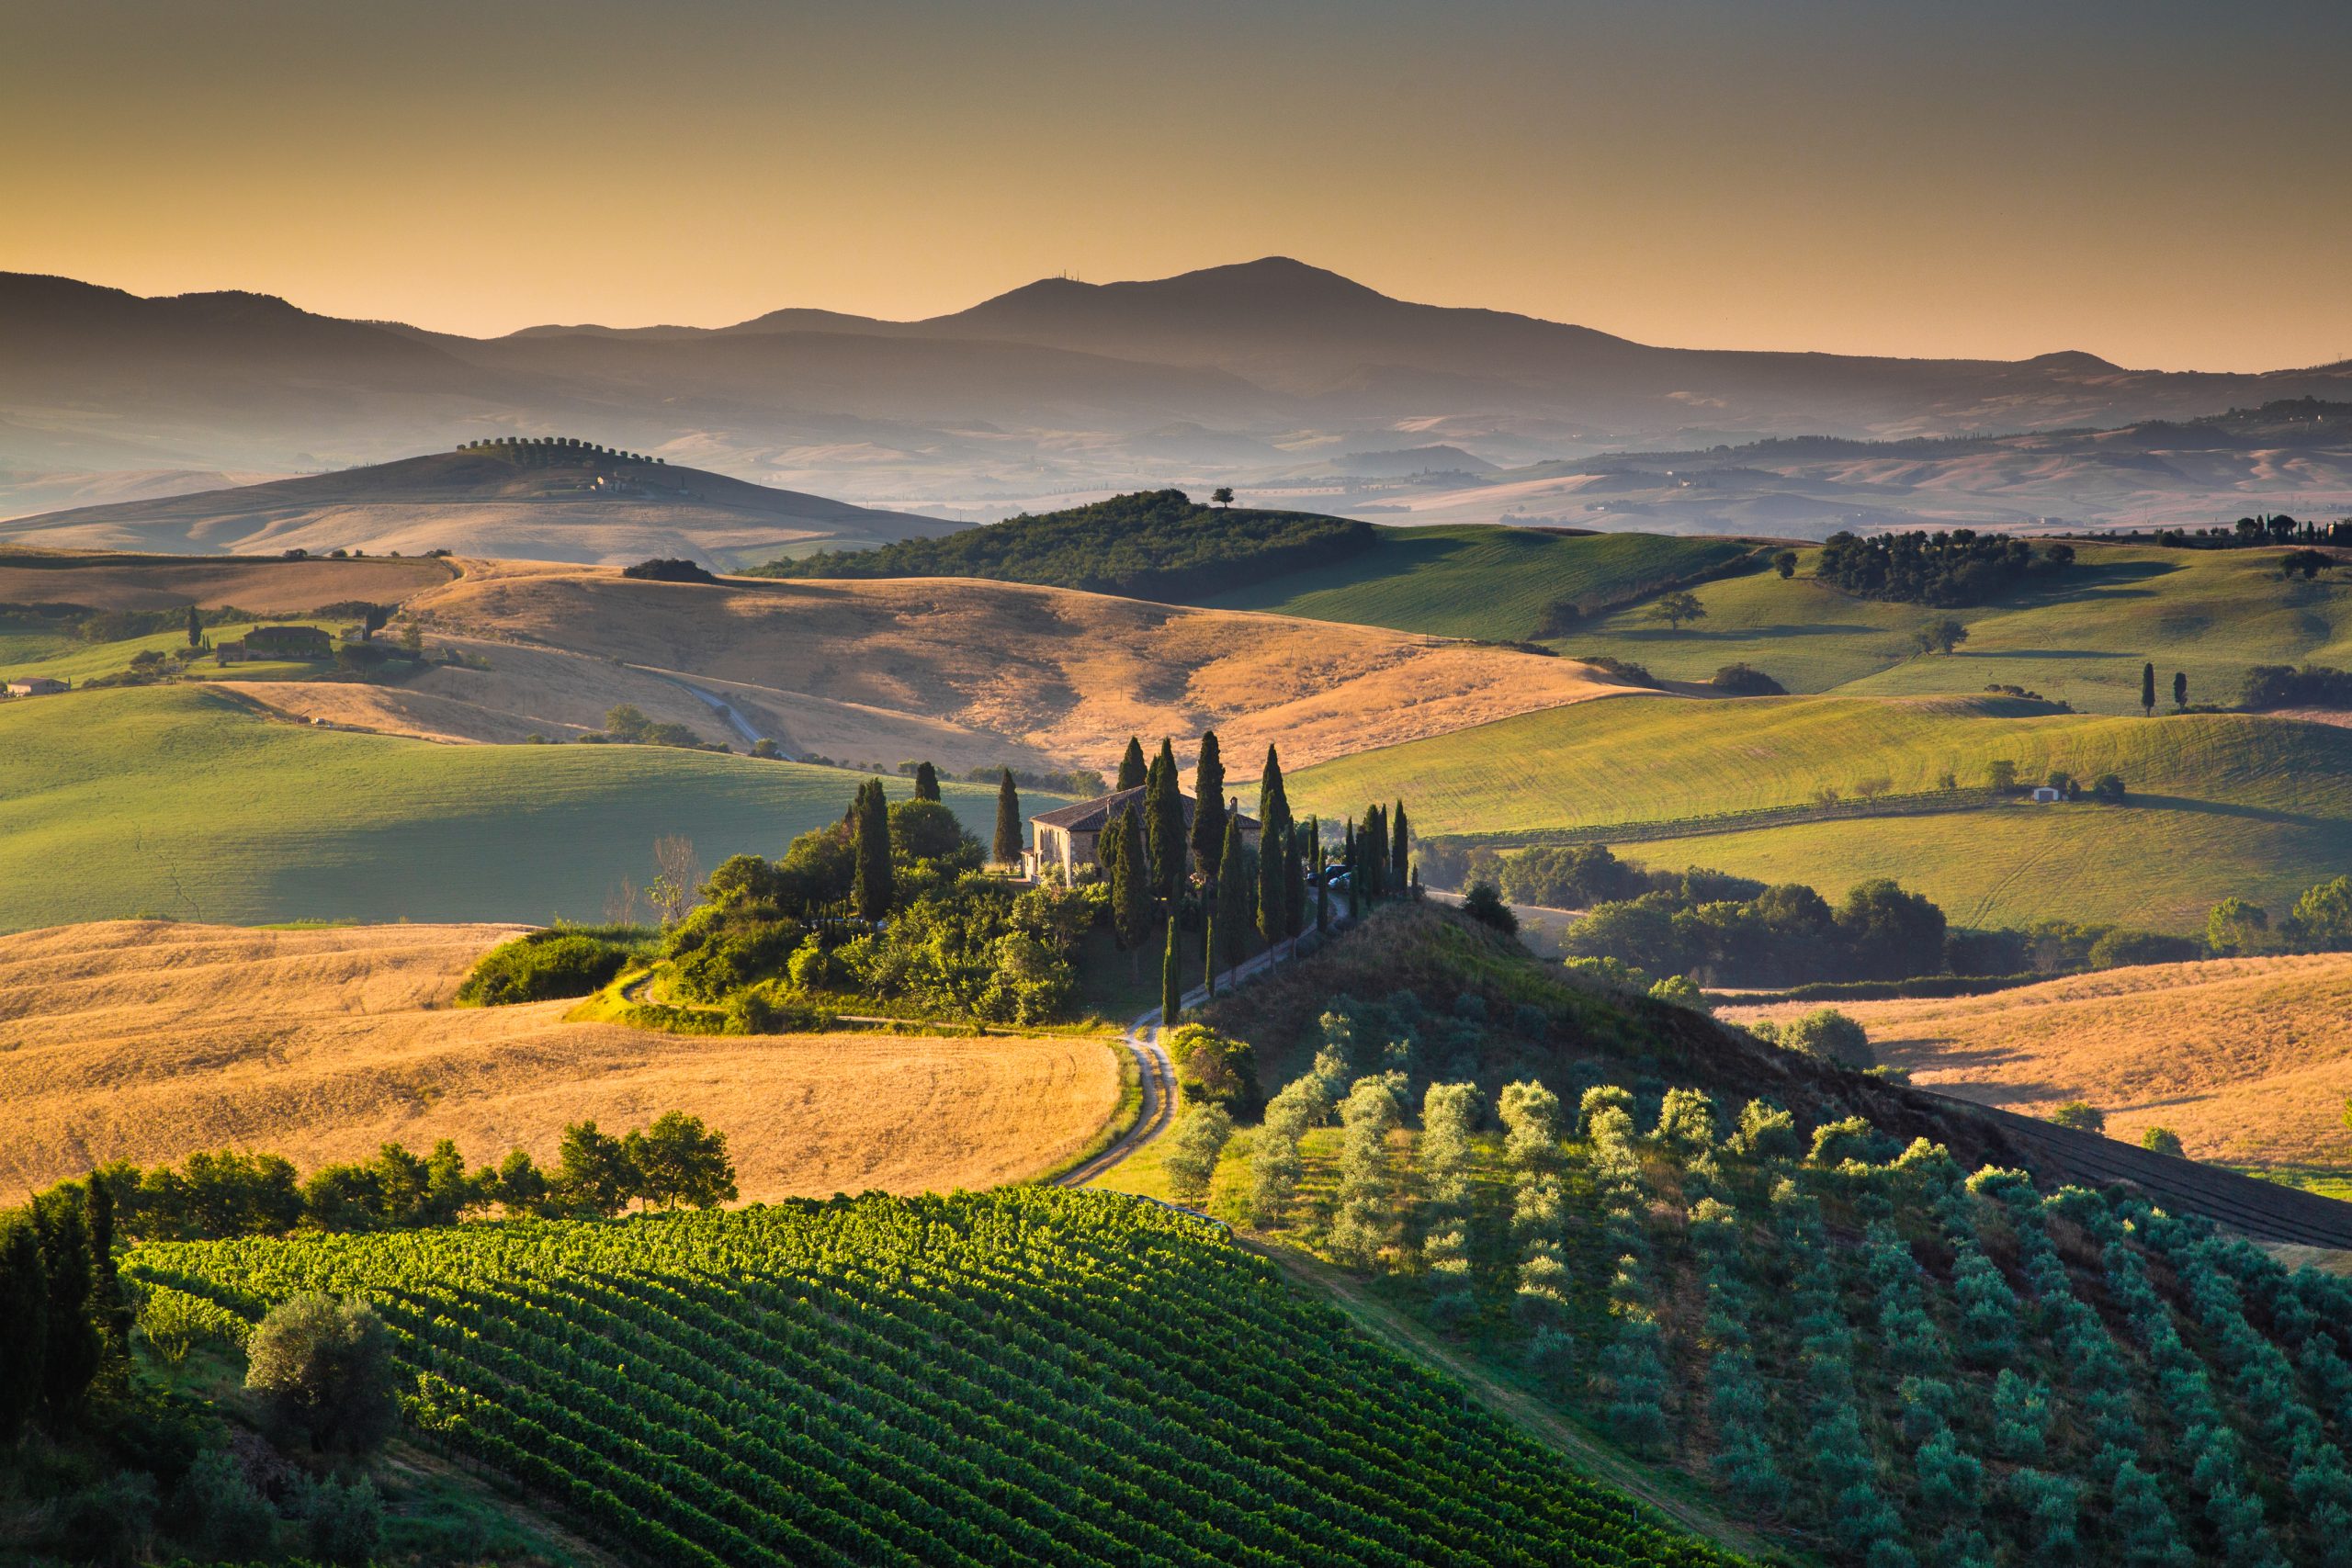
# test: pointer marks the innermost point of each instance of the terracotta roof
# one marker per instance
(1093, 816)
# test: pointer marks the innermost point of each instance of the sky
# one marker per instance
(2165, 184)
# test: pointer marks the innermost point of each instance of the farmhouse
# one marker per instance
(1066, 839)
(279, 642)
(38, 686)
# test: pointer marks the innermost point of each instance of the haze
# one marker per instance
(2159, 184)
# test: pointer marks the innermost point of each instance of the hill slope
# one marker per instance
(576, 505)
(149, 1042)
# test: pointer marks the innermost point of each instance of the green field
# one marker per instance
(2220, 804)
(2081, 640)
(1031, 1375)
(68, 659)
(1479, 582)
(176, 800)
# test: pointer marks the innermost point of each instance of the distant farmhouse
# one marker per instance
(1065, 840)
(39, 686)
(279, 642)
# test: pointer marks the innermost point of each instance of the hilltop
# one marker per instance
(563, 500)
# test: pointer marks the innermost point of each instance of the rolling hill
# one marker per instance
(1055, 390)
(2252, 1067)
(2218, 804)
(150, 1042)
(568, 504)
(180, 801)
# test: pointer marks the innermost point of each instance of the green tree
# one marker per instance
(1006, 850)
(1171, 981)
(2148, 690)
(2080, 1115)
(1196, 1141)
(2163, 1141)
(1273, 890)
(871, 889)
(593, 1173)
(109, 1307)
(1222, 495)
(1399, 850)
(2235, 926)
(1132, 772)
(2323, 915)
(1208, 806)
(195, 628)
(1129, 876)
(1233, 893)
(72, 1350)
(1940, 636)
(1785, 563)
(2001, 776)
(1294, 851)
(324, 1370)
(1274, 800)
(926, 781)
(2180, 689)
(1371, 849)
(1366, 1224)
(679, 1161)
(23, 1308)
(1677, 607)
(1163, 824)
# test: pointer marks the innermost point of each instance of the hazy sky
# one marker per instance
(2163, 184)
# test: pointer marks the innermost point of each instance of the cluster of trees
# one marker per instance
(1083, 782)
(1728, 930)
(674, 1162)
(1961, 567)
(2270, 686)
(668, 568)
(627, 724)
(1149, 545)
(552, 449)
(2321, 921)
(560, 961)
(2246, 532)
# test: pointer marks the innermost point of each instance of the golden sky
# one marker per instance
(2165, 184)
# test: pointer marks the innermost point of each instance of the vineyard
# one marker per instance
(1029, 1375)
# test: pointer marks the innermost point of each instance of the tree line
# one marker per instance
(1961, 567)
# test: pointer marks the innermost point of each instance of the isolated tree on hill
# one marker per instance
(1171, 981)
(1785, 563)
(1399, 849)
(2180, 688)
(1222, 495)
(1940, 636)
(1129, 873)
(195, 628)
(1677, 607)
(870, 889)
(1208, 806)
(1006, 850)
(1163, 824)
(2148, 690)
(1132, 772)
(926, 781)
(1233, 893)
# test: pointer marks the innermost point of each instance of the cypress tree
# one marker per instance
(1171, 981)
(1272, 798)
(24, 1309)
(2180, 688)
(1006, 851)
(1293, 881)
(1124, 860)
(195, 628)
(1401, 849)
(926, 781)
(2148, 688)
(870, 887)
(1208, 954)
(1274, 892)
(1233, 893)
(1163, 806)
(74, 1351)
(1132, 772)
(1208, 806)
(1322, 880)
(106, 1303)
(1371, 847)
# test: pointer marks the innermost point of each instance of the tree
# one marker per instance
(2163, 1141)
(1831, 1036)
(679, 872)
(1274, 800)
(23, 1308)
(2236, 926)
(2148, 690)
(2323, 915)
(2179, 689)
(1295, 853)
(1132, 772)
(1208, 807)
(71, 1351)
(195, 628)
(871, 886)
(1785, 563)
(1399, 850)
(1361, 1229)
(1222, 495)
(2079, 1115)
(2107, 788)
(1485, 905)
(1273, 894)
(678, 1160)
(1163, 824)
(926, 781)
(1198, 1138)
(1233, 892)
(1371, 853)
(1940, 636)
(2001, 776)
(1006, 850)
(1129, 876)
(1677, 607)
(1171, 981)
(323, 1369)
(593, 1173)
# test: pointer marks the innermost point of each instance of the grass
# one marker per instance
(2256, 1057)
(178, 800)
(2080, 639)
(148, 1041)
(1494, 583)
(2220, 804)
(79, 661)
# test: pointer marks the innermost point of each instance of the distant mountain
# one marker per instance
(1230, 374)
(578, 503)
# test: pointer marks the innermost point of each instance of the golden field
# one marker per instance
(2248, 1059)
(147, 1040)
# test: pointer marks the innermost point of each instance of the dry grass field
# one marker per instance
(2248, 1059)
(265, 586)
(147, 1040)
(968, 672)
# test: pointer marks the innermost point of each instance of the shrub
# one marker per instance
(342, 1521)
(1747, 681)
(219, 1512)
(2119, 947)
(541, 967)
(1214, 1069)
(668, 569)
(1830, 1036)
(1766, 1131)
(2081, 1116)
(1485, 905)
(324, 1370)
(1196, 1141)
(1835, 1143)
(2163, 1141)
